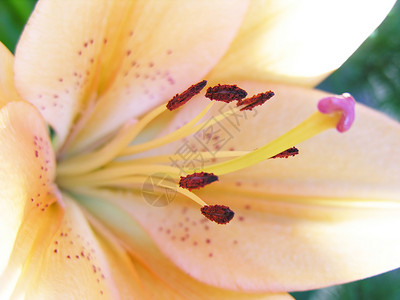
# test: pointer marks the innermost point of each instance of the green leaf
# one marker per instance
(13, 16)
(385, 287)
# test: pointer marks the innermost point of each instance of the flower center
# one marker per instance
(117, 165)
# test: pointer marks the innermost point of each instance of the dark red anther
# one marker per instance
(289, 152)
(180, 99)
(197, 180)
(220, 214)
(250, 103)
(226, 93)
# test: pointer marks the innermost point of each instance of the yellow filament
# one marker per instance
(125, 182)
(89, 161)
(184, 192)
(190, 195)
(312, 126)
(182, 132)
(126, 169)
(122, 182)
(171, 137)
(177, 157)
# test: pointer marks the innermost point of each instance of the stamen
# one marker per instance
(185, 130)
(341, 118)
(197, 180)
(226, 93)
(205, 155)
(343, 104)
(180, 99)
(220, 214)
(182, 132)
(119, 171)
(256, 100)
(289, 152)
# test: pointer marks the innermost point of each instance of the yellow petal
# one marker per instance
(27, 171)
(160, 290)
(124, 55)
(299, 42)
(35, 232)
(117, 211)
(8, 91)
(71, 262)
(123, 268)
(273, 244)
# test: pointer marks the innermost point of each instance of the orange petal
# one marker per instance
(27, 171)
(116, 210)
(8, 91)
(298, 42)
(126, 56)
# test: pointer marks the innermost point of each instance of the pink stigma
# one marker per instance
(344, 104)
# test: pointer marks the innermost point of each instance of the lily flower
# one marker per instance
(91, 158)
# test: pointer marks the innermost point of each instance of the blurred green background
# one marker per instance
(371, 75)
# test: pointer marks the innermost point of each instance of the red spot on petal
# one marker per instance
(226, 93)
(180, 99)
(220, 214)
(289, 152)
(197, 180)
(259, 99)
